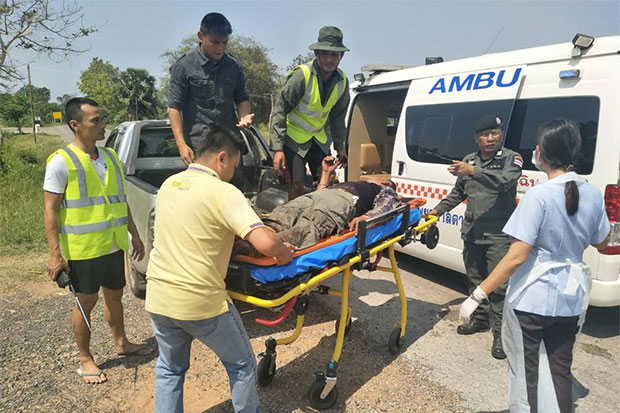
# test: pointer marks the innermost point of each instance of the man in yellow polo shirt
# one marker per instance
(198, 215)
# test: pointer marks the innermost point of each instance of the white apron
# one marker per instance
(512, 337)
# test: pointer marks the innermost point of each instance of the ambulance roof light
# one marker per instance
(433, 60)
(583, 41)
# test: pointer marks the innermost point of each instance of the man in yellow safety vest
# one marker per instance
(316, 94)
(86, 221)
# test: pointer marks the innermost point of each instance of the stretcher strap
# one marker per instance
(283, 316)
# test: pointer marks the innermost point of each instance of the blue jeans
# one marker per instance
(224, 335)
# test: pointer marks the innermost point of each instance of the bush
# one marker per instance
(21, 191)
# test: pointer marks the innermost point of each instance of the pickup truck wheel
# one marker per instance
(135, 280)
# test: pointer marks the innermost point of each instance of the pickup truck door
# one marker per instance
(255, 172)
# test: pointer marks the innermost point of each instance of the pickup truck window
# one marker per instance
(113, 141)
(157, 143)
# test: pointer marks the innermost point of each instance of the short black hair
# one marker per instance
(73, 108)
(215, 138)
(215, 23)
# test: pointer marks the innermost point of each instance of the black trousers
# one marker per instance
(480, 260)
(559, 335)
(297, 165)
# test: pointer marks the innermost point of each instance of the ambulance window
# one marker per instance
(529, 114)
(442, 133)
(392, 123)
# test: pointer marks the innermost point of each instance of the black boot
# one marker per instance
(497, 350)
(475, 325)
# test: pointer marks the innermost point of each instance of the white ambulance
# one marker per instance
(411, 123)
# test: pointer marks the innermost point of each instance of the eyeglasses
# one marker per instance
(493, 132)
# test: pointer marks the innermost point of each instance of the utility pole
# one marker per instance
(34, 129)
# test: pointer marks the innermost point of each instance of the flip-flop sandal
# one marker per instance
(83, 374)
(138, 352)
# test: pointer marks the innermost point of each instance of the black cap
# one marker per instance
(488, 122)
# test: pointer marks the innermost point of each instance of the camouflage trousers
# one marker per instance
(307, 219)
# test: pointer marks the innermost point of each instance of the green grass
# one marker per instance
(21, 191)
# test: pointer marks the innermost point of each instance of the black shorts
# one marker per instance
(106, 271)
(297, 165)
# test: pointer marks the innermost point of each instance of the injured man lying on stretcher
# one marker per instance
(330, 209)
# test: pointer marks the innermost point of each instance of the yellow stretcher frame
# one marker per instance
(322, 392)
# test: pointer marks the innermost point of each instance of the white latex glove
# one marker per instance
(469, 306)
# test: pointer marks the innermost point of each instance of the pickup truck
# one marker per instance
(149, 155)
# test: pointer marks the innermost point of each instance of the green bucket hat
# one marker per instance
(330, 39)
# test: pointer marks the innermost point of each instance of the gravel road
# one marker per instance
(437, 371)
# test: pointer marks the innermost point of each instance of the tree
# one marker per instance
(13, 109)
(39, 94)
(299, 60)
(100, 82)
(40, 100)
(40, 26)
(62, 100)
(261, 74)
(137, 95)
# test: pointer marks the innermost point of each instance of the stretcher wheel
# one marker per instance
(347, 327)
(314, 394)
(431, 237)
(394, 344)
(266, 370)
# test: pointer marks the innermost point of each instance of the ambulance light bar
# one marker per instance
(570, 74)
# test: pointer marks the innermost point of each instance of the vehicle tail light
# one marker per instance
(612, 207)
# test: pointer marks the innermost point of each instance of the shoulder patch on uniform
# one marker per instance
(518, 161)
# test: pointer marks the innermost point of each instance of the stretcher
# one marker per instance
(263, 283)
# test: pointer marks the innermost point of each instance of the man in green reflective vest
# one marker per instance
(86, 221)
(315, 95)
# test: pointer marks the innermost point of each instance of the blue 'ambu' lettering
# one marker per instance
(439, 85)
(500, 78)
(484, 80)
(456, 83)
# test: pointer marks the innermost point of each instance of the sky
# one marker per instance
(135, 33)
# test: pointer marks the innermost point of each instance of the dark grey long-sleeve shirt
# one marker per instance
(491, 195)
(206, 92)
(288, 98)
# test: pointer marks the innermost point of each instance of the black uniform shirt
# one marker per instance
(491, 196)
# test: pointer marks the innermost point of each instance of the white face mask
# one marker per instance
(535, 160)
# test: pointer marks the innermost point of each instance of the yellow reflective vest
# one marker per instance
(308, 118)
(93, 217)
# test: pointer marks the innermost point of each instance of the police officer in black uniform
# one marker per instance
(487, 179)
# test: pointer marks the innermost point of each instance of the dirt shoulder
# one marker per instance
(437, 371)
(38, 360)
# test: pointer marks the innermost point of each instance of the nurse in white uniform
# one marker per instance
(549, 284)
